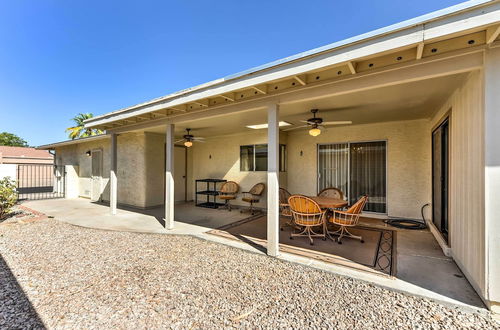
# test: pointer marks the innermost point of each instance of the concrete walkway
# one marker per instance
(436, 279)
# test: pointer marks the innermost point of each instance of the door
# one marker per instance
(440, 177)
(96, 176)
(180, 154)
(356, 168)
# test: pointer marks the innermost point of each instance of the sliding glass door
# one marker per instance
(357, 169)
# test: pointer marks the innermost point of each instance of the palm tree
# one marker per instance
(79, 131)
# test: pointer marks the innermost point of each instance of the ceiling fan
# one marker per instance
(317, 123)
(188, 138)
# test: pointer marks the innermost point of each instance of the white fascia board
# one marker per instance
(71, 142)
(472, 19)
(412, 32)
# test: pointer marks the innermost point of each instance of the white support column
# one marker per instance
(113, 187)
(273, 216)
(492, 175)
(169, 178)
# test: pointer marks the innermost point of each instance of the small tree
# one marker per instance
(12, 140)
(8, 195)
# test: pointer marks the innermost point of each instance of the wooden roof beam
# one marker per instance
(181, 108)
(228, 97)
(352, 67)
(420, 50)
(202, 103)
(492, 33)
(300, 79)
(261, 89)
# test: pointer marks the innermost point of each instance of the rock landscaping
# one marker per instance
(56, 275)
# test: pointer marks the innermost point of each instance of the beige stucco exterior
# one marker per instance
(408, 161)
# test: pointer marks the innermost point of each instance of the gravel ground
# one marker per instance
(83, 278)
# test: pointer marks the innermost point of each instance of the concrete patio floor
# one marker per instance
(422, 268)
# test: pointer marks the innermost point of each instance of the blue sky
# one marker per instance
(59, 58)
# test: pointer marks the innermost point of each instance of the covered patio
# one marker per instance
(404, 116)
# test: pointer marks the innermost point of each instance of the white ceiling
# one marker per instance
(408, 101)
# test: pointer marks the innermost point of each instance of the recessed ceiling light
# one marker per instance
(262, 126)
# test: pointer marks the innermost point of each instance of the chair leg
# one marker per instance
(330, 233)
(346, 233)
(310, 234)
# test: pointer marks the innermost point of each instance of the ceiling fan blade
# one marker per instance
(178, 141)
(338, 122)
(199, 138)
(201, 141)
(293, 128)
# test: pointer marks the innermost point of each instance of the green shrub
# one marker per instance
(8, 195)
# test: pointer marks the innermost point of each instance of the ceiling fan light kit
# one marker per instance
(188, 144)
(314, 131)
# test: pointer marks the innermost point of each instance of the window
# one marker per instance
(254, 158)
(357, 169)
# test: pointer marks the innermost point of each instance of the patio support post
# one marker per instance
(492, 176)
(113, 184)
(169, 178)
(273, 180)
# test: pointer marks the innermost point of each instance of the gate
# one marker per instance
(40, 181)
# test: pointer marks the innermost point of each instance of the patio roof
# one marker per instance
(467, 25)
(71, 142)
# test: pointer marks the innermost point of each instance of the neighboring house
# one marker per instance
(424, 104)
(24, 155)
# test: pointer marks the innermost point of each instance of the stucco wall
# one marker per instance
(155, 169)
(408, 159)
(219, 158)
(466, 207)
(131, 167)
(76, 155)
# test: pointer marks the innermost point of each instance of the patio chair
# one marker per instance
(253, 196)
(348, 218)
(306, 215)
(285, 208)
(228, 192)
(331, 192)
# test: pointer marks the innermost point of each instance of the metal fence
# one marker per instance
(40, 181)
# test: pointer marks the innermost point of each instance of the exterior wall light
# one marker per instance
(88, 153)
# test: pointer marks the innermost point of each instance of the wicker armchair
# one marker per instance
(285, 208)
(306, 215)
(348, 218)
(228, 192)
(331, 192)
(253, 196)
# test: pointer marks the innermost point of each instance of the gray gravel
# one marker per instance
(83, 278)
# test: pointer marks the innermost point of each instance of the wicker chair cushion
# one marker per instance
(250, 200)
(227, 196)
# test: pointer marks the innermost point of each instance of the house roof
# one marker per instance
(24, 152)
(420, 30)
(71, 142)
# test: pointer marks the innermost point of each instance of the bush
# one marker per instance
(8, 195)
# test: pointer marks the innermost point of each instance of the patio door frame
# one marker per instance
(446, 119)
(349, 169)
